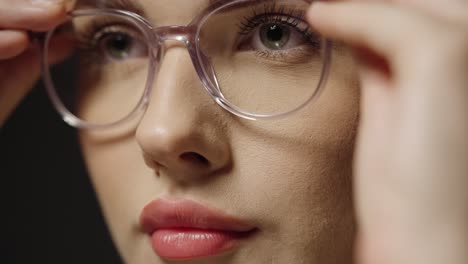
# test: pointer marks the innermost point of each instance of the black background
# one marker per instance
(49, 207)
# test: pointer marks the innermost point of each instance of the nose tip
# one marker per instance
(181, 156)
(182, 133)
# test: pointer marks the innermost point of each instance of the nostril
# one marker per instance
(194, 158)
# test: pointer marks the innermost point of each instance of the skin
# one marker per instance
(410, 156)
(258, 171)
(412, 149)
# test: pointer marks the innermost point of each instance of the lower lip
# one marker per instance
(186, 243)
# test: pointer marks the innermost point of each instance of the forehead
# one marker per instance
(162, 11)
(104, 3)
(147, 7)
(170, 12)
(205, 3)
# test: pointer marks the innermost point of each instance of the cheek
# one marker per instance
(120, 178)
(302, 193)
(298, 170)
(292, 174)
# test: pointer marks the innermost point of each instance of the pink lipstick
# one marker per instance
(184, 229)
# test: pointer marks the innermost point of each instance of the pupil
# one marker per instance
(275, 33)
(119, 46)
(274, 36)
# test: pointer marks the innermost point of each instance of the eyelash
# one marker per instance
(278, 14)
(89, 36)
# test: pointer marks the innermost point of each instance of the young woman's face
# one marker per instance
(287, 181)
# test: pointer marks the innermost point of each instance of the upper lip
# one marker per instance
(165, 214)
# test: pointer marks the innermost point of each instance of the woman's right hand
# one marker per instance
(19, 60)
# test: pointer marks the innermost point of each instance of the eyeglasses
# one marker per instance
(256, 59)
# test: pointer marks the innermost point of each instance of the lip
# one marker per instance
(184, 229)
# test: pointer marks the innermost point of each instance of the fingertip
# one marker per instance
(32, 17)
(49, 18)
(314, 10)
(317, 14)
(316, 6)
(346, 21)
(12, 43)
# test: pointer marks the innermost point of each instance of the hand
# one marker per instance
(19, 61)
(411, 162)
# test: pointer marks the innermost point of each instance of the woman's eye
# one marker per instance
(117, 47)
(274, 36)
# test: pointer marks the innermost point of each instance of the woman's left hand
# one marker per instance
(411, 163)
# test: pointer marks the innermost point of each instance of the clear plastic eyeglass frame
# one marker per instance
(156, 36)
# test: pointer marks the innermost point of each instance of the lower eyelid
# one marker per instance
(298, 55)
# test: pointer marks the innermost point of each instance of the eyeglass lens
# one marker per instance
(263, 58)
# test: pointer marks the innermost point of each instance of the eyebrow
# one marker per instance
(128, 5)
(135, 7)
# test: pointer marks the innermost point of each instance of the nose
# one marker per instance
(181, 133)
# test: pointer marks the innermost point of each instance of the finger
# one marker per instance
(387, 30)
(12, 43)
(31, 15)
(449, 10)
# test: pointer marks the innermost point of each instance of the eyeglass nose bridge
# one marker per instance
(187, 36)
(183, 34)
